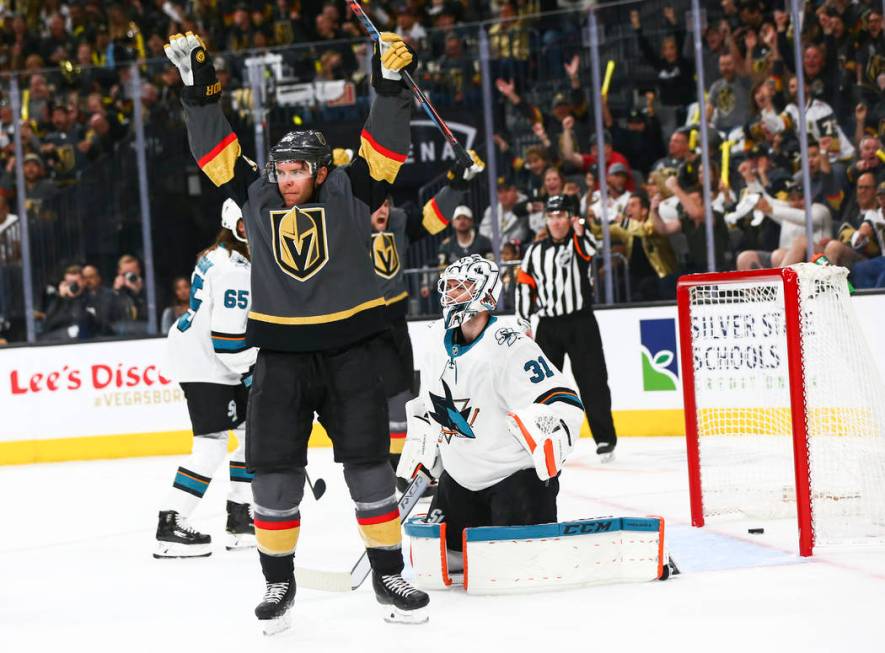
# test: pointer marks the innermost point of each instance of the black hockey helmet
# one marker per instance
(557, 203)
(308, 145)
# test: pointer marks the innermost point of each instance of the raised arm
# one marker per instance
(438, 210)
(213, 143)
(386, 136)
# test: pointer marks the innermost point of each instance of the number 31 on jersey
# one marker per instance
(538, 369)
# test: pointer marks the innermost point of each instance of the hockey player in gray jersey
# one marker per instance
(494, 420)
(316, 312)
(209, 358)
(395, 229)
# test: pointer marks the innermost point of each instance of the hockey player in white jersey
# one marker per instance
(208, 357)
(494, 421)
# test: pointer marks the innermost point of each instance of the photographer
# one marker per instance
(129, 287)
(69, 316)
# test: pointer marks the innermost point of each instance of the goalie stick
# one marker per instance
(343, 581)
(460, 153)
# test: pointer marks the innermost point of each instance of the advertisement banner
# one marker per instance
(112, 399)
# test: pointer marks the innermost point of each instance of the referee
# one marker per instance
(554, 281)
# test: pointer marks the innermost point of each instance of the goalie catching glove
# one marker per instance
(544, 436)
(188, 53)
(421, 448)
(395, 56)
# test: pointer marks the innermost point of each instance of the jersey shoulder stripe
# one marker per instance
(561, 394)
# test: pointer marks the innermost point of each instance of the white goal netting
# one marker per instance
(742, 386)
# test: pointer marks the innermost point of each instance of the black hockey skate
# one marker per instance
(176, 538)
(240, 529)
(402, 603)
(274, 611)
(605, 451)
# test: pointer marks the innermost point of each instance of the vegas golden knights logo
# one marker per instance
(384, 255)
(300, 246)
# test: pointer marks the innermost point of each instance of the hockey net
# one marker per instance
(783, 402)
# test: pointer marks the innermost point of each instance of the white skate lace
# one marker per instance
(183, 524)
(275, 592)
(398, 585)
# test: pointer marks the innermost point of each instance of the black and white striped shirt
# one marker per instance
(555, 278)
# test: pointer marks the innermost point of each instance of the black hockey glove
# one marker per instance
(194, 64)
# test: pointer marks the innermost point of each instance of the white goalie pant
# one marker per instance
(565, 555)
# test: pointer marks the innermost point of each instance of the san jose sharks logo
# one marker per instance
(299, 241)
(453, 415)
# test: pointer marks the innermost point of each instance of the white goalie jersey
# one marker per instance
(208, 343)
(468, 390)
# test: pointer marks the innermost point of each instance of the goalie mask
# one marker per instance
(230, 217)
(467, 287)
(308, 145)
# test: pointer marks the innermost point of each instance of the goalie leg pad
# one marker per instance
(428, 554)
(564, 555)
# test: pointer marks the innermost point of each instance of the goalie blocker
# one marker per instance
(564, 555)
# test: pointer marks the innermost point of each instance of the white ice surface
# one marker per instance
(76, 573)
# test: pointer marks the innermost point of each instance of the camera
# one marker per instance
(74, 287)
(131, 277)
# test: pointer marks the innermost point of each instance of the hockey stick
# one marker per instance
(345, 581)
(460, 153)
(318, 489)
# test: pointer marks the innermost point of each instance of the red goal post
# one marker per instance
(762, 354)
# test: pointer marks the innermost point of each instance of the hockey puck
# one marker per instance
(756, 531)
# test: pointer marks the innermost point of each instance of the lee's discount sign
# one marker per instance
(108, 388)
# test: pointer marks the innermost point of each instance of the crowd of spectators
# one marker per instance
(651, 148)
(652, 157)
(73, 67)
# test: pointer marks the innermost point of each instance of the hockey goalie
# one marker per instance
(494, 422)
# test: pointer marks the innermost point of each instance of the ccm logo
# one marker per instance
(578, 528)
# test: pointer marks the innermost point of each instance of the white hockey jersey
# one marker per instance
(468, 389)
(208, 343)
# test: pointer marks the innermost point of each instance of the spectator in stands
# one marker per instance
(101, 300)
(790, 215)
(513, 224)
(859, 237)
(691, 223)
(825, 188)
(464, 241)
(714, 46)
(585, 162)
(675, 72)
(509, 44)
(729, 104)
(68, 316)
(408, 27)
(871, 273)
(10, 235)
(651, 258)
(129, 286)
(181, 293)
(509, 254)
(563, 105)
(640, 141)
(677, 152)
(867, 159)
(870, 56)
(456, 82)
(617, 179)
(59, 146)
(39, 191)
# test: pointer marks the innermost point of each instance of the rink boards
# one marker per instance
(113, 400)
